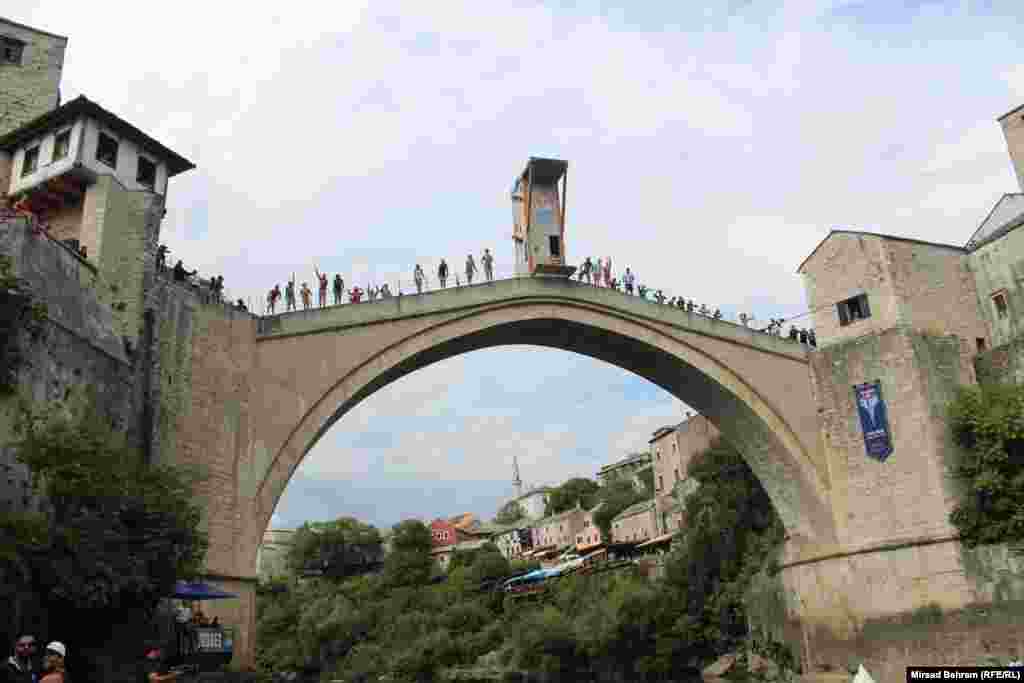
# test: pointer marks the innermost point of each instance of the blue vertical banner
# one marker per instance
(874, 419)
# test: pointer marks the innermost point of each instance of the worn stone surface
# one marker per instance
(976, 635)
(79, 348)
(1013, 130)
(32, 88)
(998, 267)
(923, 287)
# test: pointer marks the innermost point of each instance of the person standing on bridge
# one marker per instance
(608, 272)
(488, 261)
(442, 273)
(418, 277)
(355, 295)
(289, 294)
(307, 296)
(371, 293)
(628, 280)
(470, 269)
(598, 271)
(339, 288)
(321, 279)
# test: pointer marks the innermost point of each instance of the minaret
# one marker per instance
(517, 482)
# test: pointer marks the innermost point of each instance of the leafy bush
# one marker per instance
(988, 424)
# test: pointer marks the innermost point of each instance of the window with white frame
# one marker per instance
(145, 174)
(61, 144)
(106, 150)
(30, 162)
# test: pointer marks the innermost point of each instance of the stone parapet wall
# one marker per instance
(80, 348)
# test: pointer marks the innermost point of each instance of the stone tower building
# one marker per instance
(539, 218)
(1012, 123)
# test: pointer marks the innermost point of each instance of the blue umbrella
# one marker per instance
(184, 590)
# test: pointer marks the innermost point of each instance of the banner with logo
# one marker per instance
(874, 419)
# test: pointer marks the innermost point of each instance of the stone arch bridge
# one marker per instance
(256, 394)
(264, 390)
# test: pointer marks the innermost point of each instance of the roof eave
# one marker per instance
(83, 106)
(33, 29)
(1011, 112)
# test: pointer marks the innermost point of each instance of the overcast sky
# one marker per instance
(710, 150)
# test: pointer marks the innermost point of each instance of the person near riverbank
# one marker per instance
(608, 272)
(488, 262)
(470, 269)
(442, 274)
(156, 668)
(53, 663)
(21, 667)
(355, 295)
(384, 291)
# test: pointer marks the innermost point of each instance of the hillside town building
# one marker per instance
(672, 449)
(533, 503)
(632, 467)
(635, 524)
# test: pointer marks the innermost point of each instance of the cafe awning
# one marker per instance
(658, 539)
(198, 590)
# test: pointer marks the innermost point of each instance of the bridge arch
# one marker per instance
(760, 399)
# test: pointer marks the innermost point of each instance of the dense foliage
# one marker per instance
(118, 532)
(988, 424)
(337, 549)
(402, 624)
(565, 497)
(616, 496)
(510, 513)
(110, 542)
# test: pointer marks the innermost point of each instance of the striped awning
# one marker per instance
(586, 548)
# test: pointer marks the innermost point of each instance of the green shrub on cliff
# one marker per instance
(988, 424)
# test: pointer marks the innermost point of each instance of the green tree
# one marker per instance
(338, 549)
(616, 496)
(510, 513)
(731, 527)
(115, 535)
(120, 532)
(577, 490)
(988, 424)
(409, 563)
(646, 477)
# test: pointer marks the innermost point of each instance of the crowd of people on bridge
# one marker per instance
(356, 294)
(598, 272)
(594, 271)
